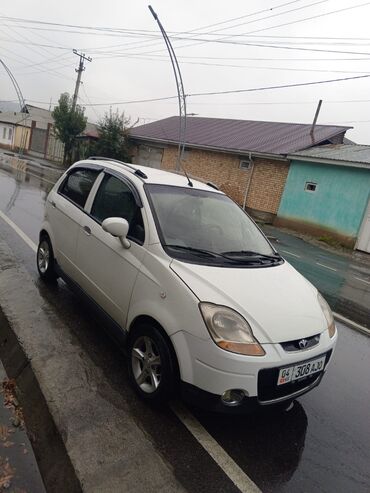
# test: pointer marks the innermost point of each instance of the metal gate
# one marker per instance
(150, 156)
(38, 140)
(363, 242)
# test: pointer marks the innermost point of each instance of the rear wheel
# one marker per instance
(151, 365)
(45, 259)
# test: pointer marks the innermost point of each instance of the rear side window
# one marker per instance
(115, 199)
(78, 184)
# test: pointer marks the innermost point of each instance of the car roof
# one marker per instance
(154, 175)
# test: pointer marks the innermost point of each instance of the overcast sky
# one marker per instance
(130, 61)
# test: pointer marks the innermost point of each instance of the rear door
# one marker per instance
(66, 210)
(107, 270)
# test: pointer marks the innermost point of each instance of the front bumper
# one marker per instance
(212, 371)
(211, 402)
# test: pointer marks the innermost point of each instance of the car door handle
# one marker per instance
(87, 230)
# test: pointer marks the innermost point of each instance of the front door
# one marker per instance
(65, 209)
(107, 270)
(363, 242)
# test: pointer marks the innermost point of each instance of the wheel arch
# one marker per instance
(44, 232)
(140, 319)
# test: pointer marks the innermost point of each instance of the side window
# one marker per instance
(115, 199)
(78, 184)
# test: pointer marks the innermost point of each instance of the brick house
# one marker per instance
(246, 159)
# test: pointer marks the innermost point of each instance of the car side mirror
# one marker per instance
(118, 227)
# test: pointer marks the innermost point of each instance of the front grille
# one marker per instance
(267, 382)
(301, 344)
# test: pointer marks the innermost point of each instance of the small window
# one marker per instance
(115, 199)
(10, 133)
(78, 184)
(310, 186)
(4, 133)
(245, 164)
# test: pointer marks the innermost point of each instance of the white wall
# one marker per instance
(6, 130)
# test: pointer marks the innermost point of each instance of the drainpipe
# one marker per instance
(249, 181)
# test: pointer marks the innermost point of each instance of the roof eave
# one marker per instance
(277, 157)
(335, 162)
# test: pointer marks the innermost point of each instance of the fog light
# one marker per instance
(232, 397)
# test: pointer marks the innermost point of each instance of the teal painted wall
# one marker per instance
(339, 201)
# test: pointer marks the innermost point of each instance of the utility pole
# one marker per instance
(79, 71)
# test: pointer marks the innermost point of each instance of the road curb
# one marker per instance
(351, 324)
(105, 446)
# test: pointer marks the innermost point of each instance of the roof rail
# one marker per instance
(212, 185)
(136, 171)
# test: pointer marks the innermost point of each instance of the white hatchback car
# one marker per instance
(187, 279)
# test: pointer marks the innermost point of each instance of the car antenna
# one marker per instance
(180, 95)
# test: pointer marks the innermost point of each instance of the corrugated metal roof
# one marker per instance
(15, 118)
(238, 135)
(338, 152)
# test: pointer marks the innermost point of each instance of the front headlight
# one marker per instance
(328, 315)
(229, 330)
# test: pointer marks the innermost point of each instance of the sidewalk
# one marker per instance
(18, 467)
(105, 448)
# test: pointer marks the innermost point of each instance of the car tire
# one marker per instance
(45, 260)
(152, 365)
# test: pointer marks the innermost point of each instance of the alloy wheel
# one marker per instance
(146, 364)
(43, 257)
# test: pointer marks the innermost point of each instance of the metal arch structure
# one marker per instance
(20, 97)
(180, 91)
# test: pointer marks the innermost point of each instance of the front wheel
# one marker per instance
(151, 365)
(45, 260)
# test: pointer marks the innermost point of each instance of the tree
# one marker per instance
(68, 123)
(113, 136)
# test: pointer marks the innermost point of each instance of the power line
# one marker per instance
(234, 91)
(299, 84)
(239, 103)
(249, 67)
(120, 31)
(223, 39)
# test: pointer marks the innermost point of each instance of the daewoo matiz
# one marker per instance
(188, 280)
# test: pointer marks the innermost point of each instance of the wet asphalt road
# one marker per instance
(344, 280)
(321, 444)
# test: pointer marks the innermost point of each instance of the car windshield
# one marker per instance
(207, 225)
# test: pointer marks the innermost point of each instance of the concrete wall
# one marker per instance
(336, 207)
(265, 180)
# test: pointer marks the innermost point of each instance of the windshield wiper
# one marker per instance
(208, 253)
(251, 253)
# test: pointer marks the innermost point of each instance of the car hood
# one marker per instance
(277, 301)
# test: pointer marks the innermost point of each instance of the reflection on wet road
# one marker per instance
(23, 192)
(321, 444)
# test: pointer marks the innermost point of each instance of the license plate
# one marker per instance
(302, 370)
